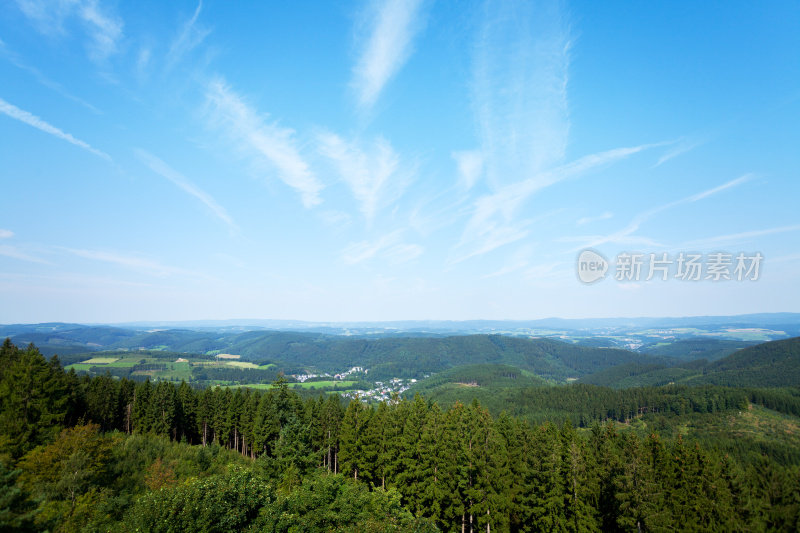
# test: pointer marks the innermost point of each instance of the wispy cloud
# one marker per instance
(14, 252)
(470, 166)
(335, 219)
(682, 147)
(8, 250)
(744, 236)
(389, 245)
(519, 99)
(143, 62)
(715, 190)
(44, 80)
(590, 220)
(161, 168)
(103, 29)
(519, 90)
(490, 238)
(625, 235)
(392, 26)
(520, 259)
(140, 264)
(372, 172)
(34, 121)
(492, 223)
(190, 36)
(268, 141)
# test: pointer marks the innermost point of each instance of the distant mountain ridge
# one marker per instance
(642, 334)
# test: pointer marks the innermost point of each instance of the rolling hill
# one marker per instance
(770, 364)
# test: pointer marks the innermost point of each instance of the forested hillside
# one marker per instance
(696, 348)
(770, 364)
(403, 357)
(101, 453)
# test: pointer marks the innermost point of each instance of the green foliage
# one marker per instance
(326, 503)
(62, 474)
(167, 457)
(16, 509)
(696, 348)
(771, 364)
(221, 503)
(33, 399)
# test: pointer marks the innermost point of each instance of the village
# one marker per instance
(382, 392)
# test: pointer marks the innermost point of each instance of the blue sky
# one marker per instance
(392, 160)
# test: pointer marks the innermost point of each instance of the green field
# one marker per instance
(176, 372)
(241, 364)
(99, 360)
(312, 385)
(324, 384)
(256, 386)
(124, 363)
(173, 371)
(78, 367)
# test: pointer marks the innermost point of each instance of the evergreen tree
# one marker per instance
(351, 439)
(142, 412)
(581, 489)
(186, 422)
(16, 509)
(164, 409)
(33, 400)
(638, 492)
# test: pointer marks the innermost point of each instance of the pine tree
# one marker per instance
(411, 472)
(491, 474)
(639, 494)
(580, 483)
(331, 422)
(266, 427)
(546, 503)
(164, 407)
(33, 401)
(351, 439)
(233, 416)
(187, 413)
(127, 390)
(205, 410)
(102, 401)
(439, 467)
(142, 411)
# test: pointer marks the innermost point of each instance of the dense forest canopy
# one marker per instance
(99, 453)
